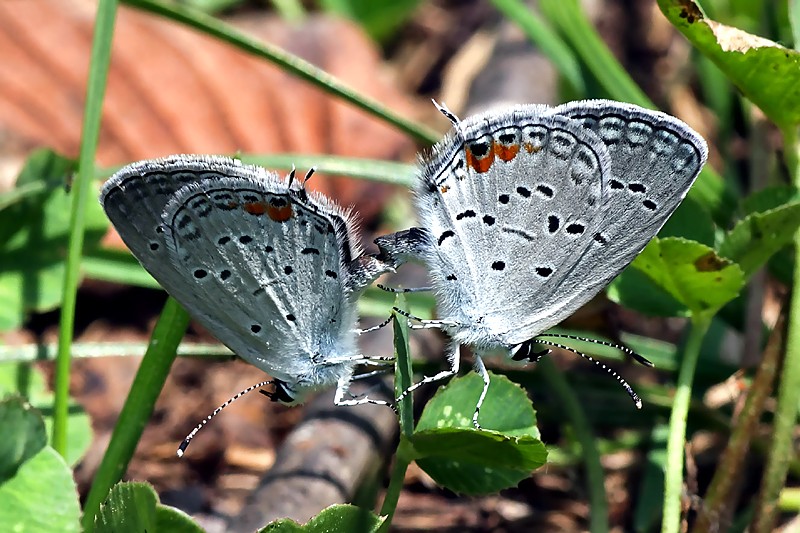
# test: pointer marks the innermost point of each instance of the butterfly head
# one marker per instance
(283, 392)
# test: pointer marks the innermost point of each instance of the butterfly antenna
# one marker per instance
(444, 110)
(403, 289)
(375, 327)
(614, 374)
(190, 436)
(292, 175)
(642, 359)
(310, 173)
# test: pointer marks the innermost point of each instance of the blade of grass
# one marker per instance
(570, 19)
(95, 91)
(546, 39)
(598, 521)
(290, 10)
(138, 406)
(402, 380)
(29, 353)
(286, 61)
(710, 189)
(794, 22)
(367, 169)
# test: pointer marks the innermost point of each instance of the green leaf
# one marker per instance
(134, 507)
(635, 290)
(24, 435)
(28, 381)
(41, 497)
(691, 272)
(759, 236)
(768, 198)
(468, 461)
(44, 170)
(334, 518)
(767, 73)
(690, 221)
(33, 242)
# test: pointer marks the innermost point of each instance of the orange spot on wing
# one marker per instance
(531, 149)
(279, 214)
(506, 153)
(256, 208)
(444, 188)
(482, 164)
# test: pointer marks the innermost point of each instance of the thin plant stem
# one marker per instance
(138, 408)
(403, 380)
(95, 91)
(673, 475)
(781, 448)
(718, 497)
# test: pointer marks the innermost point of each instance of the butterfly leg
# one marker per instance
(425, 324)
(361, 360)
(480, 368)
(453, 357)
(371, 374)
(343, 390)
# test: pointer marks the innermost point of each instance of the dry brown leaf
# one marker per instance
(173, 90)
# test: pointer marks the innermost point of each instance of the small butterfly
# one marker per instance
(272, 270)
(525, 214)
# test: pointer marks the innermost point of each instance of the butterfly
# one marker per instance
(526, 213)
(270, 269)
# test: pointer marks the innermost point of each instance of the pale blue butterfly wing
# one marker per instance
(526, 214)
(531, 212)
(267, 268)
(655, 159)
(511, 201)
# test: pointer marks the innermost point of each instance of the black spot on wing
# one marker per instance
(544, 190)
(552, 223)
(575, 228)
(445, 235)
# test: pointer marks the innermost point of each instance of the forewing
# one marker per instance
(135, 197)
(512, 202)
(251, 303)
(264, 269)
